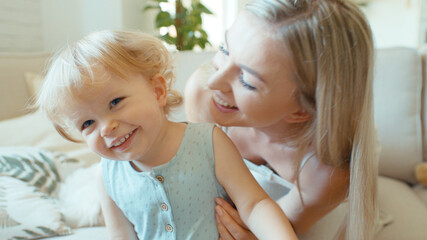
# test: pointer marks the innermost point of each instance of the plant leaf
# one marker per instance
(167, 38)
(163, 19)
(202, 8)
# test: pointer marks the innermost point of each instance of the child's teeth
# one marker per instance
(122, 140)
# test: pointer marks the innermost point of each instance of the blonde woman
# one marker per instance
(292, 87)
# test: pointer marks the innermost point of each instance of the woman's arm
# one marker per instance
(323, 189)
(259, 212)
(118, 226)
(197, 96)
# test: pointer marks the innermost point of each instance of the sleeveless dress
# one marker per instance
(274, 185)
(174, 200)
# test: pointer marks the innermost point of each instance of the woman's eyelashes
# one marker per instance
(241, 76)
(223, 50)
(244, 83)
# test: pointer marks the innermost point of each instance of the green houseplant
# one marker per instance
(187, 22)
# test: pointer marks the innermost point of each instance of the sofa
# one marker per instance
(47, 187)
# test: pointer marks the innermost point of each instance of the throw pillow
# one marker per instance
(32, 165)
(27, 213)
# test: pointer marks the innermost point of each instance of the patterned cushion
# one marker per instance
(32, 165)
(27, 213)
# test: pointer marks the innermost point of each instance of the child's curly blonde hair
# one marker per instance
(120, 53)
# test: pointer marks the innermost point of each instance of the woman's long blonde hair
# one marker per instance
(331, 45)
(119, 53)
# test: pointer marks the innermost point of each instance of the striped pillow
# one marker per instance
(32, 165)
(27, 213)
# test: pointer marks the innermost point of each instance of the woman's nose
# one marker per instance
(108, 128)
(223, 73)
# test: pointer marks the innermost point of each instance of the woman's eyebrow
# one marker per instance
(244, 67)
(251, 72)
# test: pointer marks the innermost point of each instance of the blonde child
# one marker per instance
(159, 178)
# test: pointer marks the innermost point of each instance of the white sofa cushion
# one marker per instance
(408, 212)
(92, 233)
(397, 108)
(12, 83)
(186, 63)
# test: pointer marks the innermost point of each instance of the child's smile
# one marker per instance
(122, 143)
(120, 119)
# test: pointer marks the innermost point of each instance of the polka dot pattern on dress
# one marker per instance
(175, 200)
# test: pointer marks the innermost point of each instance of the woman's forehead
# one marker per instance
(254, 44)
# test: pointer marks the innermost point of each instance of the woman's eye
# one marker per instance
(223, 50)
(244, 83)
(115, 102)
(87, 124)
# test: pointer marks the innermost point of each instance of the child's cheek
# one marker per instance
(94, 143)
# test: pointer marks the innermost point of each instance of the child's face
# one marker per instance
(121, 119)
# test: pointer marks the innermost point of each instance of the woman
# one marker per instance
(293, 88)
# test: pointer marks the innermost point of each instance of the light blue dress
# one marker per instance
(175, 200)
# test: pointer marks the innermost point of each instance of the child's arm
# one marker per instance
(118, 226)
(258, 211)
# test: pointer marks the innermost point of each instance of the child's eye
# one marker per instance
(115, 102)
(223, 50)
(245, 84)
(87, 124)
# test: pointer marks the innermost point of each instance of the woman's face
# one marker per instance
(252, 85)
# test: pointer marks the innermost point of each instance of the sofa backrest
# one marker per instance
(13, 90)
(186, 63)
(398, 85)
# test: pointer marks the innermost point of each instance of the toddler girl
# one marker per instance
(159, 178)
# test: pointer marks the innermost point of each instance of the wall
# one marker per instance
(70, 20)
(20, 25)
(45, 25)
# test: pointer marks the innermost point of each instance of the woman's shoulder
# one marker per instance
(320, 179)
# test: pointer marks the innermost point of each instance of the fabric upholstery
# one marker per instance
(12, 81)
(32, 165)
(405, 207)
(397, 110)
(27, 213)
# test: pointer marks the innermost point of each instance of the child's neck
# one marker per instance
(166, 149)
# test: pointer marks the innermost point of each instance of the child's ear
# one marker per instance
(160, 88)
(298, 116)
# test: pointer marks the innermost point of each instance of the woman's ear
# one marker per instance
(299, 116)
(160, 88)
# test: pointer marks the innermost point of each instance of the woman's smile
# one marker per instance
(223, 106)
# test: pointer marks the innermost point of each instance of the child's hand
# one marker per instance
(230, 225)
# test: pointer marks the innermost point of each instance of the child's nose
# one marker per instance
(108, 128)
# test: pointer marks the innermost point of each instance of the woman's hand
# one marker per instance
(230, 225)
